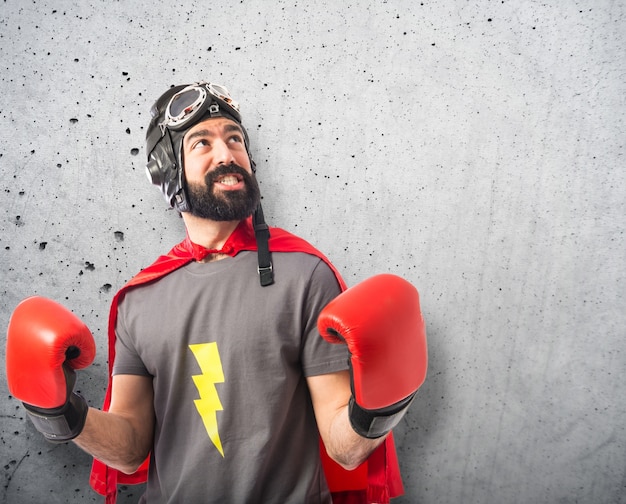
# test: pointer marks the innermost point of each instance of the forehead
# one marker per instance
(213, 126)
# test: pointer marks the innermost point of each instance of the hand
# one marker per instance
(45, 344)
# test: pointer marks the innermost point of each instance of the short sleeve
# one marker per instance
(319, 356)
(127, 360)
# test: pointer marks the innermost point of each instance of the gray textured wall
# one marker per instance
(475, 148)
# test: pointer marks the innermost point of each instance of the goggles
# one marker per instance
(192, 102)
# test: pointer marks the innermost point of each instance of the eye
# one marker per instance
(203, 142)
(236, 138)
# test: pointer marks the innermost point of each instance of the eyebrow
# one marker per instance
(228, 128)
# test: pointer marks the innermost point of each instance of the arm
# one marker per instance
(46, 343)
(330, 394)
(381, 323)
(122, 437)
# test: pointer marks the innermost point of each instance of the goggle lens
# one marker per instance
(185, 102)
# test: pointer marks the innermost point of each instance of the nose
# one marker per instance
(222, 154)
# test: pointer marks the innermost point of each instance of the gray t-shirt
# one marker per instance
(229, 358)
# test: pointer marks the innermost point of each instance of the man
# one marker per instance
(219, 375)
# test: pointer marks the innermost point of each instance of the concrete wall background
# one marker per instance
(475, 148)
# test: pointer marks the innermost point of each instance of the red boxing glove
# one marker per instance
(45, 343)
(381, 322)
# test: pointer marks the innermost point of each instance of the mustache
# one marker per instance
(222, 170)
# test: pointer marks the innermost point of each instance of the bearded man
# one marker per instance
(221, 385)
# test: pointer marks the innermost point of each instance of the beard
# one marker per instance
(208, 203)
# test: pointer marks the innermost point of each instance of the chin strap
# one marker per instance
(262, 234)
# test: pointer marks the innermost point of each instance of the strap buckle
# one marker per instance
(265, 275)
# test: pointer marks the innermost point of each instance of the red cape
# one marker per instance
(376, 480)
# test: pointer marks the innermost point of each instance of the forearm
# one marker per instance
(345, 446)
(114, 440)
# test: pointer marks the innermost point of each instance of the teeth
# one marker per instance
(229, 180)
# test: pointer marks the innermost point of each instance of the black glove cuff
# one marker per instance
(62, 424)
(373, 424)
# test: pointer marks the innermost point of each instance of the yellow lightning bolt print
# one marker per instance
(209, 404)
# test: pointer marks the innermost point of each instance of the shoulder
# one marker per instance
(284, 241)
